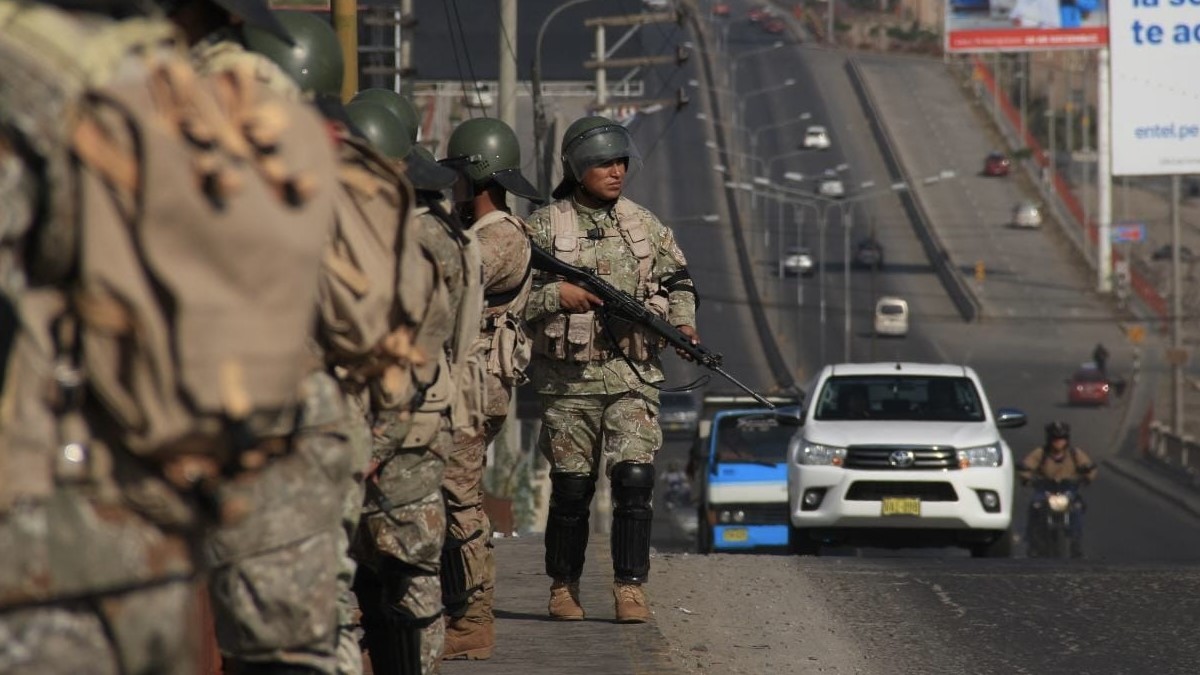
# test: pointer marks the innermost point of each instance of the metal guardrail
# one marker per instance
(1178, 452)
(956, 287)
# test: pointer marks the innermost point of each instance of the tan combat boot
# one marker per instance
(631, 603)
(470, 640)
(564, 601)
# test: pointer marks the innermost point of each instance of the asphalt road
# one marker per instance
(1121, 610)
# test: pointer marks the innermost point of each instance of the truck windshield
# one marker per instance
(752, 438)
(889, 397)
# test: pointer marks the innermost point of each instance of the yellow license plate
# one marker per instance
(901, 506)
(735, 534)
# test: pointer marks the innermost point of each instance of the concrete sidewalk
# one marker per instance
(529, 643)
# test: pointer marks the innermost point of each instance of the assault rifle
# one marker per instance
(625, 306)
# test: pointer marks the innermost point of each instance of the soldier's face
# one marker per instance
(605, 181)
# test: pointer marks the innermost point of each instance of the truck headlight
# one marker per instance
(983, 455)
(820, 455)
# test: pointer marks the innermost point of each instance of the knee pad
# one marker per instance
(392, 638)
(453, 575)
(567, 525)
(632, 491)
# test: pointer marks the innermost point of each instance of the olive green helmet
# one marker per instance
(401, 106)
(383, 130)
(487, 149)
(314, 61)
(589, 142)
(380, 127)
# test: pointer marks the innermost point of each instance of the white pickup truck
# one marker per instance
(901, 455)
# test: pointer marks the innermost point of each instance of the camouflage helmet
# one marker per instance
(384, 130)
(313, 59)
(400, 105)
(487, 149)
(589, 142)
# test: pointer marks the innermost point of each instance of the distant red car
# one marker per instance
(1088, 386)
(721, 9)
(774, 26)
(996, 164)
(757, 14)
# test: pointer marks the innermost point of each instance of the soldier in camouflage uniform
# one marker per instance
(403, 529)
(101, 518)
(596, 376)
(274, 580)
(489, 155)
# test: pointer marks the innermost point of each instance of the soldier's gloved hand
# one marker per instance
(576, 299)
(695, 338)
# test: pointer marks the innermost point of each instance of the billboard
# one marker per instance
(1025, 25)
(1155, 111)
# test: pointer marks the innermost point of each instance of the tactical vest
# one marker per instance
(181, 224)
(502, 332)
(446, 380)
(582, 337)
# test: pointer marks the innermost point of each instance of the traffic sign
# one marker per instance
(1128, 233)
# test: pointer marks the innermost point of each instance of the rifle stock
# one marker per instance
(622, 304)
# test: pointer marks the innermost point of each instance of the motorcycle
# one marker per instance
(678, 492)
(1056, 505)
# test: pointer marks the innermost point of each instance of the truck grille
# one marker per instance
(927, 491)
(879, 457)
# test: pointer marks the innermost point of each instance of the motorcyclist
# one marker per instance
(679, 490)
(1056, 461)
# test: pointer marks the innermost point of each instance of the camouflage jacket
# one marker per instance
(612, 258)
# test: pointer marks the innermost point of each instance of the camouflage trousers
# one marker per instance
(100, 580)
(399, 543)
(578, 431)
(463, 488)
(274, 580)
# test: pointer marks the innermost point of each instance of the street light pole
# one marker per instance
(539, 105)
(847, 215)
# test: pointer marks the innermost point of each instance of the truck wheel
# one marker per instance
(1000, 547)
(800, 543)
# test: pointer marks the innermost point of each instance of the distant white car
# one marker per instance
(832, 188)
(1027, 215)
(816, 138)
(798, 261)
(891, 316)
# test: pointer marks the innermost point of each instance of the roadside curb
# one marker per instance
(1140, 472)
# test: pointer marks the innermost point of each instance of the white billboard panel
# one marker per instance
(1155, 89)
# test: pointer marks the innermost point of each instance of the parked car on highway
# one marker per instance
(996, 164)
(816, 138)
(901, 455)
(868, 253)
(798, 261)
(1088, 385)
(891, 316)
(1027, 214)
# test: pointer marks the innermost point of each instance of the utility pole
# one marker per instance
(345, 23)
(1176, 358)
(601, 63)
(404, 86)
(507, 100)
